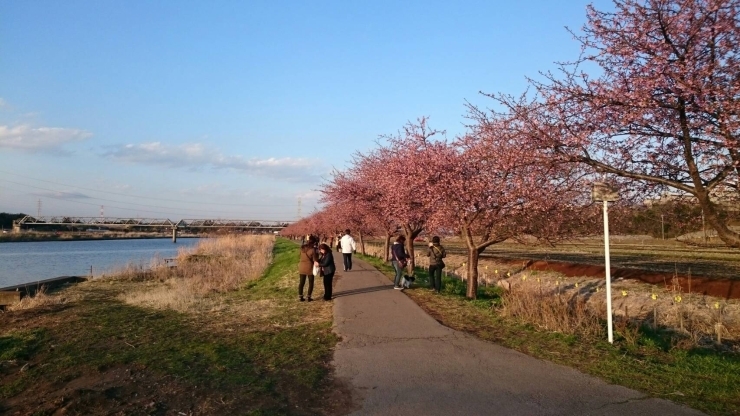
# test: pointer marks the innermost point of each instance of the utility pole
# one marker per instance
(662, 227)
(602, 192)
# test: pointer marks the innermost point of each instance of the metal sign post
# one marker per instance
(603, 192)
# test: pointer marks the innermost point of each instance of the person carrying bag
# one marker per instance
(307, 265)
(436, 264)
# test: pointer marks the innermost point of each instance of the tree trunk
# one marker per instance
(472, 270)
(472, 266)
(362, 244)
(410, 248)
(724, 233)
(386, 255)
(411, 234)
(730, 237)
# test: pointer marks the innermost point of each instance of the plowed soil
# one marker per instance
(713, 278)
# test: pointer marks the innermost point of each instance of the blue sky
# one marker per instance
(227, 109)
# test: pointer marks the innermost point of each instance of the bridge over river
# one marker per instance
(133, 223)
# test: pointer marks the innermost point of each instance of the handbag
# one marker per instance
(316, 270)
(440, 262)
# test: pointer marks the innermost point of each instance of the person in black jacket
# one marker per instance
(399, 258)
(326, 261)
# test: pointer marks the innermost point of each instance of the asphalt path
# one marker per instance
(398, 360)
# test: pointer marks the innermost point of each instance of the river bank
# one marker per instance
(85, 236)
(158, 343)
(33, 261)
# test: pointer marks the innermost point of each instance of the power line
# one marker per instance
(167, 213)
(133, 196)
(115, 201)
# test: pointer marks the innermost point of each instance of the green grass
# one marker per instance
(261, 367)
(655, 363)
(21, 345)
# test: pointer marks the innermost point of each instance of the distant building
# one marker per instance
(727, 200)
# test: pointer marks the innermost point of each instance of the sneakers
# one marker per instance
(398, 287)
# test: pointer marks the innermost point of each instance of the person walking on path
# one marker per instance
(399, 259)
(308, 258)
(326, 262)
(348, 247)
(436, 254)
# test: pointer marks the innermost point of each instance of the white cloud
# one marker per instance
(198, 156)
(39, 139)
(62, 195)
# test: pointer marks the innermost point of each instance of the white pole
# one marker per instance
(662, 227)
(608, 275)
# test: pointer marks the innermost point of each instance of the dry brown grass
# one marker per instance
(38, 300)
(566, 314)
(214, 266)
(572, 305)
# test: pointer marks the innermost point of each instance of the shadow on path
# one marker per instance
(361, 290)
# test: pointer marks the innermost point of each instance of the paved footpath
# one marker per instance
(400, 361)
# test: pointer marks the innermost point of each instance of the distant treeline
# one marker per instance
(6, 219)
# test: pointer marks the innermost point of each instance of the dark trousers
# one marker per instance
(328, 280)
(435, 277)
(347, 261)
(303, 282)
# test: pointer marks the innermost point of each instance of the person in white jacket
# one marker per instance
(348, 247)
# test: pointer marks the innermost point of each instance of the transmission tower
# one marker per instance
(102, 212)
(38, 208)
(299, 208)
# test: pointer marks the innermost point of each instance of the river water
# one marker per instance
(29, 262)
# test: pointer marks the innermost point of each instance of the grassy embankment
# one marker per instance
(166, 341)
(659, 362)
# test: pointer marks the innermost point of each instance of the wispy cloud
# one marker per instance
(62, 195)
(39, 139)
(199, 156)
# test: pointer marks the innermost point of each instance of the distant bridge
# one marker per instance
(128, 223)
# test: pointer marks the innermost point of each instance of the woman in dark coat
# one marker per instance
(326, 261)
(308, 258)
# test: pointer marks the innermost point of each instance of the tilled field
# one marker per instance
(655, 263)
(714, 272)
(678, 260)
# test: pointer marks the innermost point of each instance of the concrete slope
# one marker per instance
(400, 361)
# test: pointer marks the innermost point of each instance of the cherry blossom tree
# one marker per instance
(360, 197)
(654, 99)
(407, 169)
(495, 187)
